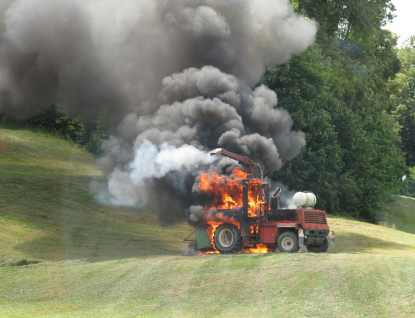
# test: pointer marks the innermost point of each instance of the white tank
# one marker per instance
(305, 199)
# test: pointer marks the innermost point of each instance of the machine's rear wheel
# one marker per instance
(288, 242)
(228, 239)
(319, 248)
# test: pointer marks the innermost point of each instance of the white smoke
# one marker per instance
(156, 162)
(128, 187)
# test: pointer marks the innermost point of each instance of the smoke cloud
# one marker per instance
(128, 187)
(175, 75)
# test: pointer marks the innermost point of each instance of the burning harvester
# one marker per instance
(239, 212)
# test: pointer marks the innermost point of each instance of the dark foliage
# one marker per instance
(338, 94)
(89, 134)
(408, 184)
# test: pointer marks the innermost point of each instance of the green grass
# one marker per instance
(401, 214)
(47, 211)
(63, 255)
(268, 285)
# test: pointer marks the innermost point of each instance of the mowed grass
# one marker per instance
(63, 255)
(243, 285)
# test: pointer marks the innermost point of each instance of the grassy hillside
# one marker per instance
(48, 213)
(401, 214)
(81, 259)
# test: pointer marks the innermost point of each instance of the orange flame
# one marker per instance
(226, 192)
(260, 248)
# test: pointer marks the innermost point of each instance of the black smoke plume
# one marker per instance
(176, 76)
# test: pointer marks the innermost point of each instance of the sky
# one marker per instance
(404, 23)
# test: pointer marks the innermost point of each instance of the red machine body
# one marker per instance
(261, 220)
(313, 222)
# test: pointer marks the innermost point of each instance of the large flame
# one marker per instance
(226, 193)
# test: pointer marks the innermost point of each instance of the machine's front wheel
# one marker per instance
(288, 242)
(228, 239)
(319, 248)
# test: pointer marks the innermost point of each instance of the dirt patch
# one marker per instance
(3, 144)
(12, 262)
(15, 186)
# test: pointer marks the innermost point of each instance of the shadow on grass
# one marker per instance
(77, 244)
(359, 243)
(93, 249)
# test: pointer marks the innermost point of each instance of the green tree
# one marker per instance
(89, 134)
(403, 97)
(408, 184)
(302, 90)
(358, 19)
(338, 94)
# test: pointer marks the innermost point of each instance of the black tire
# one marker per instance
(288, 242)
(319, 248)
(228, 239)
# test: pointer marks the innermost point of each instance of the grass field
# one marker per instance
(63, 255)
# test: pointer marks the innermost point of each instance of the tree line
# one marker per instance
(352, 94)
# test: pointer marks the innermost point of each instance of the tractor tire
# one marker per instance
(228, 239)
(319, 248)
(288, 242)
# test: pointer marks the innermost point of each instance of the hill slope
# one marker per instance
(48, 213)
(87, 260)
(401, 214)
